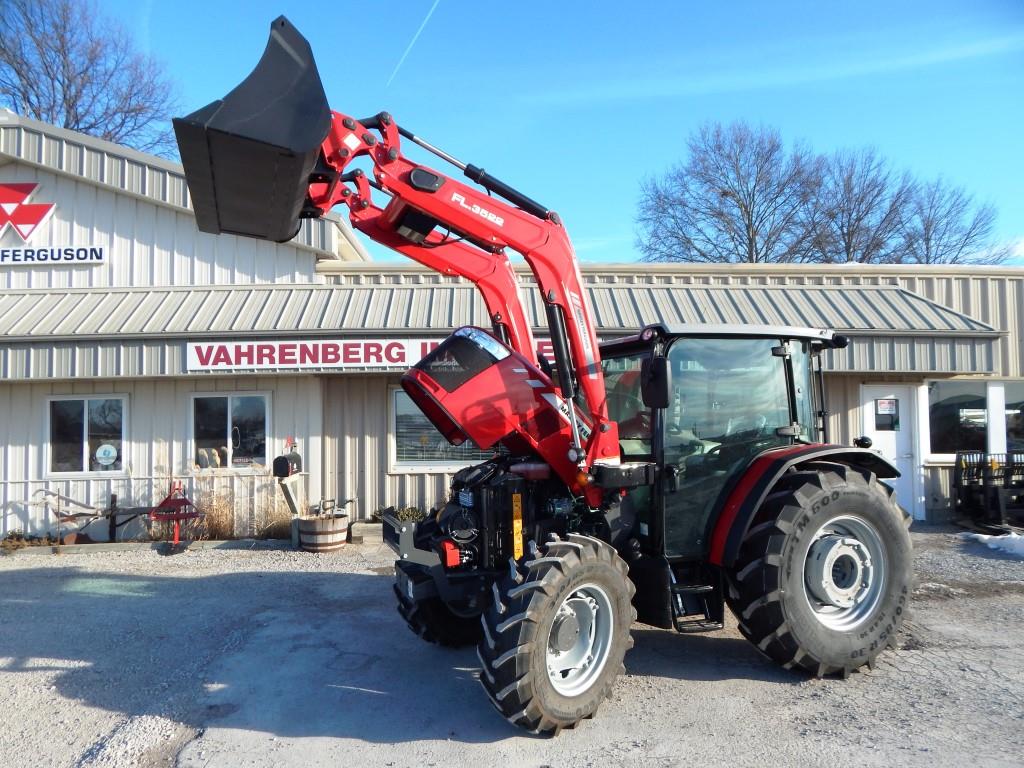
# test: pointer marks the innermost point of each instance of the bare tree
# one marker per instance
(740, 197)
(858, 211)
(62, 63)
(943, 226)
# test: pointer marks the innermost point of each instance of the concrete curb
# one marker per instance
(136, 546)
(359, 532)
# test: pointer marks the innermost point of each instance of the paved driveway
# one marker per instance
(278, 658)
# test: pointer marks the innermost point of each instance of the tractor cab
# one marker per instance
(723, 396)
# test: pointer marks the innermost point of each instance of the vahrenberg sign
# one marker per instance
(320, 354)
(380, 354)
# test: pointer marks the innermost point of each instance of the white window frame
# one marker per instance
(995, 414)
(252, 469)
(396, 467)
(86, 473)
(1003, 422)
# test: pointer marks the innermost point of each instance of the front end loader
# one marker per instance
(660, 477)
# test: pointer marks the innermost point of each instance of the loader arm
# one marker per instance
(278, 132)
(467, 232)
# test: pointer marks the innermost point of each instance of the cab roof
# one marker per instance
(669, 330)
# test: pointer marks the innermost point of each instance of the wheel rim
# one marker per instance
(845, 572)
(579, 640)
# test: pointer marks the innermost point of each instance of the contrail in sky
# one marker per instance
(412, 42)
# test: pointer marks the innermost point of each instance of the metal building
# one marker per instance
(134, 349)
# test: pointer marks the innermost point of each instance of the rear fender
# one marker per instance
(756, 482)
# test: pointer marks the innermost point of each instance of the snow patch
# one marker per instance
(1012, 543)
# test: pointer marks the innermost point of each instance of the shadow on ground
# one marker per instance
(288, 654)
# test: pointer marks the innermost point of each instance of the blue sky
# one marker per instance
(576, 102)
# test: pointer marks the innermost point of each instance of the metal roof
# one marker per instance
(96, 333)
(205, 311)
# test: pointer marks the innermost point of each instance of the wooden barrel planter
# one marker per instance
(323, 533)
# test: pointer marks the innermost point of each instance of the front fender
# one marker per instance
(760, 476)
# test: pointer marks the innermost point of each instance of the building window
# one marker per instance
(957, 416)
(87, 434)
(418, 443)
(1014, 415)
(229, 431)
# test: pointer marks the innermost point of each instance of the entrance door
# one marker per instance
(889, 422)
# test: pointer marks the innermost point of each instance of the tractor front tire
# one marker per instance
(434, 622)
(556, 634)
(823, 578)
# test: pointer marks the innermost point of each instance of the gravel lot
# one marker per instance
(273, 658)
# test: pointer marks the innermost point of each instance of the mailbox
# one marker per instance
(288, 464)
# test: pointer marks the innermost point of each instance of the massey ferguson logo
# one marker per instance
(23, 217)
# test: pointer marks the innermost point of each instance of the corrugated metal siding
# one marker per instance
(166, 357)
(125, 172)
(142, 332)
(102, 359)
(918, 354)
(843, 394)
(146, 245)
(993, 296)
(990, 296)
(159, 417)
(997, 300)
(356, 449)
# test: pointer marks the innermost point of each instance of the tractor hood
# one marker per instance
(248, 156)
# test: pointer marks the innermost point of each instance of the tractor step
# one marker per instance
(686, 627)
(696, 607)
(692, 589)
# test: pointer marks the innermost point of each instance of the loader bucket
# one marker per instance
(248, 156)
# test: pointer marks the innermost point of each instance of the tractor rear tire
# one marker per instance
(556, 634)
(434, 622)
(823, 578)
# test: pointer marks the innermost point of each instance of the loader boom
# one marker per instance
(445, 224)
(476, 232)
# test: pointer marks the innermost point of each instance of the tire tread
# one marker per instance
(753, 593)
(509, 636)
(431, 621)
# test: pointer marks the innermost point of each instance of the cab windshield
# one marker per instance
(726, 391)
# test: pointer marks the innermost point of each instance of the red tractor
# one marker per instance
(658, 477)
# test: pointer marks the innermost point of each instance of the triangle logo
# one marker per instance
(23, 217)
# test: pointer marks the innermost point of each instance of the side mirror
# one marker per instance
(656, 382)
(864, 442)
